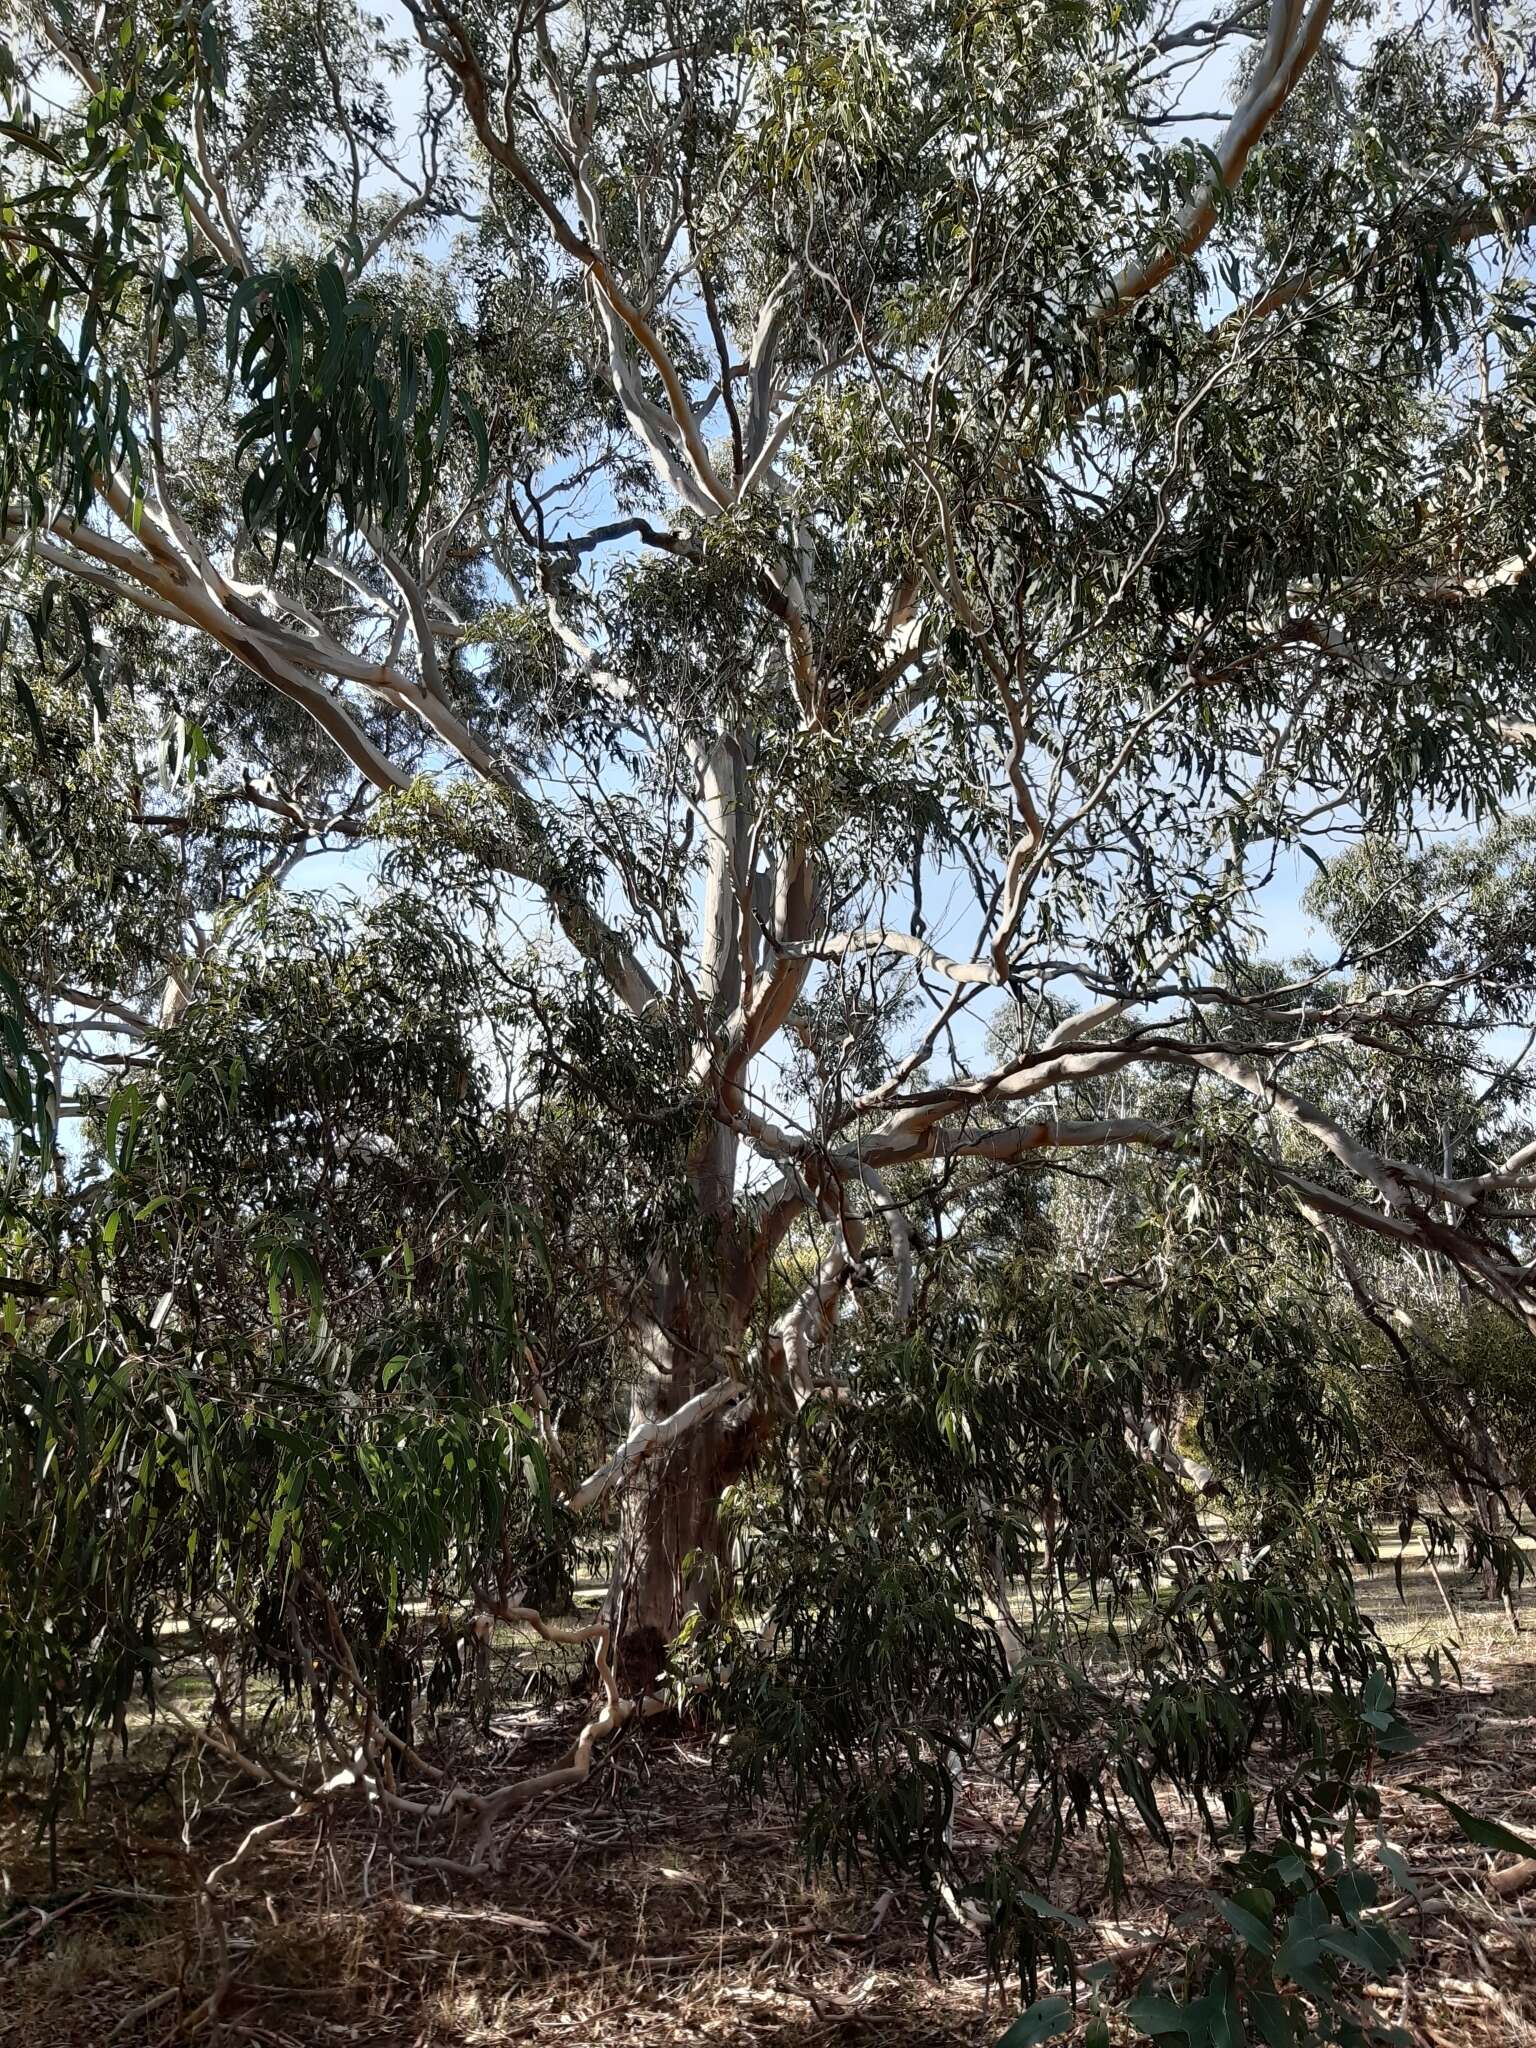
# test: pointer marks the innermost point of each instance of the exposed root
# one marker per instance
(369, 1765)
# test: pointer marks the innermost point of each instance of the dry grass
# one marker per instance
(649, 1909)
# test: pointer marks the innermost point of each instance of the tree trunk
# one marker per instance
(670, 1561)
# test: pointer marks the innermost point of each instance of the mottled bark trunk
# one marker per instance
(670, 1560)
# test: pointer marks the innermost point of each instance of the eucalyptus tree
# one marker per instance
(868, 536)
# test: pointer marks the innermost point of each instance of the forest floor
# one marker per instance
(649, 1909)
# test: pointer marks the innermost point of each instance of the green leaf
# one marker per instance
(1248, 1925)
(1044, 2020)
(1274, 2021)
(1372, 1949)
(1044, 1910)
(1156, 2015)
(1487, 1834)
(1395, 1863)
